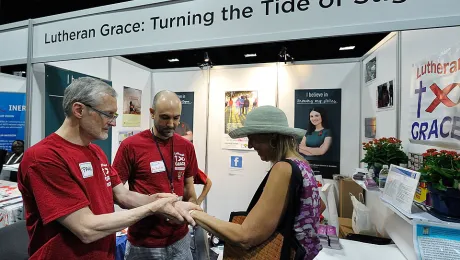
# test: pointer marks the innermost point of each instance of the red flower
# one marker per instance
(431, 150)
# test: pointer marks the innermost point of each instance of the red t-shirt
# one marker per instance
(200, 178)
(138, 161)
(57, 178)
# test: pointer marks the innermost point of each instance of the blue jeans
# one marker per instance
(177, 251)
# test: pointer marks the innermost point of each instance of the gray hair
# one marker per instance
(86, 90)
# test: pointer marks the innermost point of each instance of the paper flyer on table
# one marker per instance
(436, 241)
(400, 188)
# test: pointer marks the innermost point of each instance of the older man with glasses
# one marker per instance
(69, 187)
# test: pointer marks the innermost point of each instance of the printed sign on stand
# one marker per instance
(400, 188)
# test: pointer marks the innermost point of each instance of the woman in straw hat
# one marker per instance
(278, 200)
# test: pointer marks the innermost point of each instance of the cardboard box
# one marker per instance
(347, 186)
(345, 227)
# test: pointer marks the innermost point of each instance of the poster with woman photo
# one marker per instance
(319, 112)
(185, 127)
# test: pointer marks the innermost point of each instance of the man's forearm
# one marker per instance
(89, 227)
(134, 199)
(104, 225)
(192, 199)
(204, 193)
(189, 190)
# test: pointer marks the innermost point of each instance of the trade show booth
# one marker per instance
(367, 98)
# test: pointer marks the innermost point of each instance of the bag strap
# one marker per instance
(292, 209)
(258, 193)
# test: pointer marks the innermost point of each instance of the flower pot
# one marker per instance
(447, 202)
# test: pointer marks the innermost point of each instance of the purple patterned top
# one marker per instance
(306, 223)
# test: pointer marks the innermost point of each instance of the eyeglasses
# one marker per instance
(111, 117)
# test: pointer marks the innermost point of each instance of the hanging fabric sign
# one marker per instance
(435, 96)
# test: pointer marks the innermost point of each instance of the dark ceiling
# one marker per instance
(300, 50)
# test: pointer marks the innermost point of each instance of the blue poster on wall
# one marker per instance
(12, 118)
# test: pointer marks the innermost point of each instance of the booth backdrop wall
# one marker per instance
(386, 56)
(234, 192)
(417, 45)
(124, 74)
(192, 80)
(11, 83)
(386, 71)
(14, 46)
(343, 76)
(98, 67)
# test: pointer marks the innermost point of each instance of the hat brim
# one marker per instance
(250, 130)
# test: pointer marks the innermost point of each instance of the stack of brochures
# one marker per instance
(328, 237)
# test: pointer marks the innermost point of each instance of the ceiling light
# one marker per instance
(173, 60)
(250, 55)
(347, 48)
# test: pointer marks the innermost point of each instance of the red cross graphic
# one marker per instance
(441, 96)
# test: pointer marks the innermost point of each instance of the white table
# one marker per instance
(352, 250)
(11, 206)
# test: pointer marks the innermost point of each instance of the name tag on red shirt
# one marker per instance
(157, 166)
(86, 169)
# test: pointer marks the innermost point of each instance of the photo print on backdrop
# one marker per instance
(386, 96)
(122, 135)
(185, 127)
(237, 105)
(319, 112)
(371, 70)
(370, 127)
(131, 107)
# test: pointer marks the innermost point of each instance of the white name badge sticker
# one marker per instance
(86, 169)
(157, 166)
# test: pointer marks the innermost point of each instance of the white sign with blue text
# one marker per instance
(236, 163)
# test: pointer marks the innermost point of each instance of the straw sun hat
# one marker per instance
(266, 120)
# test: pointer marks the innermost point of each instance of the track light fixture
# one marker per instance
(285, 56)
(206, 61)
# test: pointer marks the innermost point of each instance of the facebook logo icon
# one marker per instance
(236, 162)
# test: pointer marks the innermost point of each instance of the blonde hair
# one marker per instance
(283, 144)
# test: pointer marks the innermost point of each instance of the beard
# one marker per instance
(95, 132)
(164, 131)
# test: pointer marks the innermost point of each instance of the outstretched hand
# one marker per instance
(165, 206)
(184, 208)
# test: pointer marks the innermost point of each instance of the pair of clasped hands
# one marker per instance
(173, 209)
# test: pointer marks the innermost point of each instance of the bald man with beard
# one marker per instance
(159, 161)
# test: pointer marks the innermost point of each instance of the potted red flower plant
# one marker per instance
(441, 171)
(384, 151)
